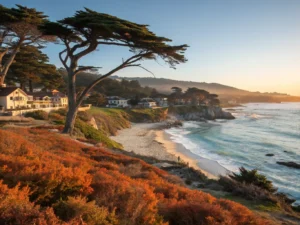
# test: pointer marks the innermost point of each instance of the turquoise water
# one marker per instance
(258, 129)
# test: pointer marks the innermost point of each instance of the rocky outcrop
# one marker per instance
(93, 123)
(290, 164)
(219, 113)
(193, 113)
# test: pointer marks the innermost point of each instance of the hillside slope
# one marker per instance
(47, 178)
(225, 92)
(165, 85)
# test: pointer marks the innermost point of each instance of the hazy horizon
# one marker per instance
(251, 45)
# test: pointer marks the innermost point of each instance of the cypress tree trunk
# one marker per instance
(70, 120)
(5, 66)
(72, 111)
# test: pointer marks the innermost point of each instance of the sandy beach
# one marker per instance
(150, 139)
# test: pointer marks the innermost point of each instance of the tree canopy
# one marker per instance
(84, 32)
(31, 65)
(18, 27)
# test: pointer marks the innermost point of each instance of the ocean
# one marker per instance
(258, 129)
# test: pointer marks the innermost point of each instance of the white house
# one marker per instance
(162, 102)
(53, 98)
(13, 98)
(147, 103)
(117, 102)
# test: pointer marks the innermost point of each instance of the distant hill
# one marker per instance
(225, 92)
(165, 85)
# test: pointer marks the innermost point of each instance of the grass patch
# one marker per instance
(90, 132)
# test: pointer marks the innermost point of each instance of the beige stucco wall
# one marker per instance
(64, 101)
(14, 100)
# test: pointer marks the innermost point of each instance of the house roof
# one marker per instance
(115, 98)
(44, 94)
(147, 100)
(5, 91)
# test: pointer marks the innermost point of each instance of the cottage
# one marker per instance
(13, 98)
(48, 99)
(162, 102)
(117, 102)
(147, 103)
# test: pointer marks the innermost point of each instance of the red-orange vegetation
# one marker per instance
(15, 208)
(48, 178)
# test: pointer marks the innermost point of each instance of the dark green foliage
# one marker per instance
(20, 26)
(253, 177)
(182, 110)
(148, 115)
(38, 115)
(195, 95)
(31, 67)
(56, 118)
(248, 191)
(112, 87)
(99, 28)
(96, 99)
(296, 208)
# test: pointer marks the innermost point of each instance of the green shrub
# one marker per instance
(56, 118)
(90, 132)
(62, 112)
(248, 191)
(253, 177)
(147, 115)
(38, 115)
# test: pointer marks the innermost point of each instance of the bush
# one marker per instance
(56, 118)
(248, 191)
(77, 208)
(38, 115)
(44, 172)
(90, 132)
(84, 116)
(61, 111)
(253, 177)
(15, 208)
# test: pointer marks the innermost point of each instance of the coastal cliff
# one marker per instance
(199, 113)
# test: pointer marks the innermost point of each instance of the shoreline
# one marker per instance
(210, 168)
(150, 139)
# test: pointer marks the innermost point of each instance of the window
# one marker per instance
(11, 98)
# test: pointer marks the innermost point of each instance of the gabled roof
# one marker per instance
(5, 91)
(44, 94)
(147, 100)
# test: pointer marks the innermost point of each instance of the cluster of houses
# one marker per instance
(14, 98)
(118, 102)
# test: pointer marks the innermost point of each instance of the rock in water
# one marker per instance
(269, 154)
(290, 164)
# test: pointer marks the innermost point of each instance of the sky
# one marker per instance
(249, 44)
